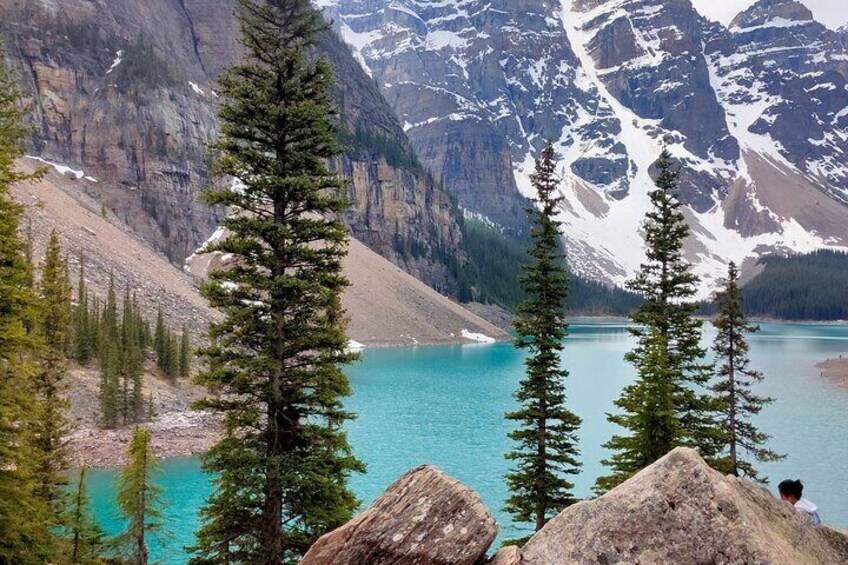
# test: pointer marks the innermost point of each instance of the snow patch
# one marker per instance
(477, 337)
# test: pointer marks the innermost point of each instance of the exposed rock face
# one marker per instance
(124, 90)
(424, 518)
(479, 85)
(782, 76)
(679, 510)
(648, 55)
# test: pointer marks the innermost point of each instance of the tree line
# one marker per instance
(678, 398)
(43, 519)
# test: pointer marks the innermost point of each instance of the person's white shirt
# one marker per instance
(809, 509)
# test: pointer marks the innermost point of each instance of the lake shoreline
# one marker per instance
(835, 370)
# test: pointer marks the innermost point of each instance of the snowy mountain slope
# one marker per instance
(755, 114)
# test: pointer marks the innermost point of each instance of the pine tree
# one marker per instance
(667, 407)
(546, 439)
(139, 500)
(276, 357)
(110, 386)
(133, 410)
(185, 354)
(84, 534)
(82, 323)
(160, 340)
(173, 356)
(50, 426)
(25, 518)
(735, 379)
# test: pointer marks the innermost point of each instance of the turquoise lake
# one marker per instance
(445, 406)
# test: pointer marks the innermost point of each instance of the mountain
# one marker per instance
(124, 92)
(754, 112)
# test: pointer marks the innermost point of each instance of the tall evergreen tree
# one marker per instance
(276, 356)
(160, 340)
(25, 518)
(50, 426)
(84, 534)
(668, 406)
(110, 386)
(546, 438)
(185, 354)
(139, 500)
(83, 340)
(735, 379)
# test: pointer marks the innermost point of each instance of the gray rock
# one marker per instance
(507, 556)
(424, 518)
(679, 510)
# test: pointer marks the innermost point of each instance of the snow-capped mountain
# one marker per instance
(755, 112)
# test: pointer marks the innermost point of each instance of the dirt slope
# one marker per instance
(387, 306)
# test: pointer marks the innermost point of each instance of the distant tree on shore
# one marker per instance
(737, 402)
(139, 500)
(546, 438)
(276, 357)
(668, 405)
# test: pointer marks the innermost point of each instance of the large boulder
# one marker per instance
(680, 511)
(424, 518)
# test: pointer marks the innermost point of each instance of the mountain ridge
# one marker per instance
(634, 76)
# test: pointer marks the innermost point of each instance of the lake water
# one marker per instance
(445, 406)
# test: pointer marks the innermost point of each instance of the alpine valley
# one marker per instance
(447, 102)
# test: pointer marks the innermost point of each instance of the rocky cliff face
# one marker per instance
(479, 86)
(124, 91)
(752, 112)
(677, 510)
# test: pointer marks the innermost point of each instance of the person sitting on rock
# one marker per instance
(792, 491)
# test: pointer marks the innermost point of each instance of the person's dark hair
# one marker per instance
(791, 488)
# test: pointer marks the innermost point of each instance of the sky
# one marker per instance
(832, 13)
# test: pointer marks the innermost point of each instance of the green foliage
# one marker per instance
(25, 518)
(51, 426)
(139, 500)
(546, 438)
(667, 406)
(737, 401)
(396, 155)
(80, 528)
(276, 357)
(800, 287)
(490, 275)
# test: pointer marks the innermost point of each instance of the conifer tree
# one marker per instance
(82, 323)
(160, 340)
(50, 426)
(110, 386)
(546, 451)
(735, 379)
(185, 354)
(84, 534)
(25, 519)
(276, 357)
(667, 406)
(139, 500)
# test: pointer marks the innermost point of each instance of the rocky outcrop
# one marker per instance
(679, 510)
(425, 517)
(125, 91)
(676, 511)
